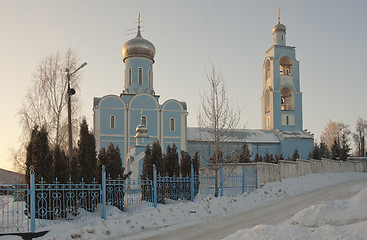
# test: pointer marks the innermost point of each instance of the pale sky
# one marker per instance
(329, 36)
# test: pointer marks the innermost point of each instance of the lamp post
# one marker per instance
(70, 92)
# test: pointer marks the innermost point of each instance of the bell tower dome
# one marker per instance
(138, 56)
(281, 98)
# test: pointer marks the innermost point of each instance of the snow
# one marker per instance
(340, 219)
(330, 220)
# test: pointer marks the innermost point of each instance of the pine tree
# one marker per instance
(271, 159)
(245, 155)
(266, 157)
(171, 161)
(324, 151)
(86, 153)
(114, 167)
(257, 158)
(60, 165)
(39, 156)
(316, 152)
(185, 167)
(335, 150)
(157, 158)
(344, 149)
(102, 160)
(196, 162)
(147, 172)
(295, 155)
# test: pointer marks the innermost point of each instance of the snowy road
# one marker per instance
(273, 213)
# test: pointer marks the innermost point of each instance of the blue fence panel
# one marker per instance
(13, 201)
(56, 202)
(175, 188)
(128, 195)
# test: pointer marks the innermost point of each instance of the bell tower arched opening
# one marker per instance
(267, 70)
(287, 99)
(286, 66)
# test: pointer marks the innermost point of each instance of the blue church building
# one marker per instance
(136, 118)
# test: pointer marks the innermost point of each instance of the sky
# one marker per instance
(189, 36)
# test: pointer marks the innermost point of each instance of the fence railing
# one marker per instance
(26, 207)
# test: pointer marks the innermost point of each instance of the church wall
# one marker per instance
(304, 147)
(263, 148)
(135, 64)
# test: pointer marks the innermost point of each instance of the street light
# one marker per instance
(71, 91)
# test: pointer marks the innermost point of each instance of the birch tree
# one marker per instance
(218, 118)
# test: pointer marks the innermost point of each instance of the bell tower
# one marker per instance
(281, 99)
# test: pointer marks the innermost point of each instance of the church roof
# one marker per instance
(247, 135)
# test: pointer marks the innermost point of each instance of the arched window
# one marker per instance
(286, 66)
(112, 122)
(172, 125)
(140, 76)
(130, 76)
(267, 101)
(287, 99)
(143, 120)
(150, 78)
(267, 70)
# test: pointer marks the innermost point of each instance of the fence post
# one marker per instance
(192, 183)
(155, 196)
(256, 178)
(243, 178)
(33, 202)
(221, 180)
(104, 203)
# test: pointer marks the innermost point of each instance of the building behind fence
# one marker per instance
(26, 207)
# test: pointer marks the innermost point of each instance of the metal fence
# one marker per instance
(26, 207)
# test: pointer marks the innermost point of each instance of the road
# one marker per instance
(272, 213)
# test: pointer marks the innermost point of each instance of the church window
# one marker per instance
(144, 120)
(172, 125)
(140, 76)
(267, 70)
(286, 66)
(130, 76)
(287, 99)
(150, 78)
(267, 101)
(112, 122)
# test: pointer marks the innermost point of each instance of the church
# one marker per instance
(136, 118)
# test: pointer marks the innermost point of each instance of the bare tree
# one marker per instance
(45, 104)
(217, 119)
(359, 136)
(334, 132)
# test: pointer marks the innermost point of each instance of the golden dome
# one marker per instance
(138, 47)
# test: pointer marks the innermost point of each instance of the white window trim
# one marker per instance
(170, 125)
(114, 122)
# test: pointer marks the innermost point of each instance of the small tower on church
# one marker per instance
(138, 56)
(282, 97)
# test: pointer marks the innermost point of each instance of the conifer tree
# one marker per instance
(344, 148)
(245, 155)
(257, 158)
(157, 158)
(185, 167)
(324, 151)
(114, 167)
(295, 155)
(266, 157)
(271, 158)
(102, 160)
(171, 161)
(86, 153)
(60, 165)
(147, 172)
(196, 162)
(335, 150)
(39, 155)
(316, 152)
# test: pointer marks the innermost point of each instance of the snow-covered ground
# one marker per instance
(341, 219)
